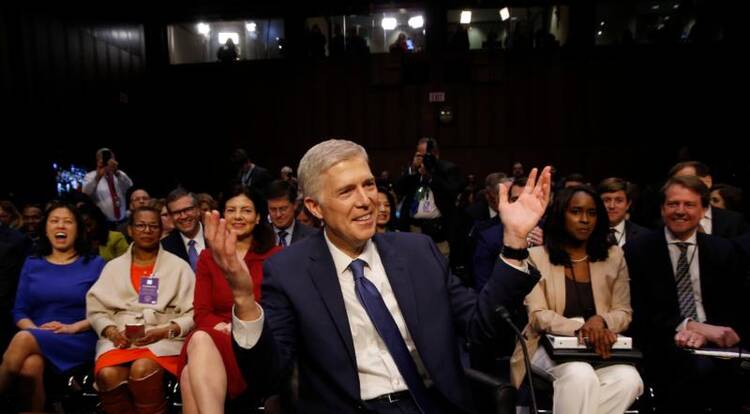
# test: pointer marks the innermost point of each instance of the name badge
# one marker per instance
(149, 290)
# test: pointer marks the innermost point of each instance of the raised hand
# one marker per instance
(223, 244)
(520, 217)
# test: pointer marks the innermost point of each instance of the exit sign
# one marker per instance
(437, 96)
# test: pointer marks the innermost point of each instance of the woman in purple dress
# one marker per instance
(50, 308)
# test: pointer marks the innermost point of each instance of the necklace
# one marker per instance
(582, 259)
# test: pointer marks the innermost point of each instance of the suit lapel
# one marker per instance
(401, 283)
(323, 274)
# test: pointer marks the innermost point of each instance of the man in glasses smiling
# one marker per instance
(187, 242)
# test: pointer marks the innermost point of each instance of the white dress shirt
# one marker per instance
(619, 233)
(99, 193)
(694, 263)
(706, 223)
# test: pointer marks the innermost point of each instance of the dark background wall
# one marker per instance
(73, 82)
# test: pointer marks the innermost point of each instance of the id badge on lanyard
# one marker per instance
(149, 293)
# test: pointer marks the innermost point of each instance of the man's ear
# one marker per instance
(314, 208)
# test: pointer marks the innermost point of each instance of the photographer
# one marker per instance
(429, 189)
(107, 186)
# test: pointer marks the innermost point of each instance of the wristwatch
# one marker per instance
(514, 254)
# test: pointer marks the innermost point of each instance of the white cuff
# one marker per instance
(683, 325)
(523, 268)
(247, 333)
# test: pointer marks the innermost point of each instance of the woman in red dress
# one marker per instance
(208, 369)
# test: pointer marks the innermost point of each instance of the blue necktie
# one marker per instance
(192, 254)
(282, 238)
(385, 325)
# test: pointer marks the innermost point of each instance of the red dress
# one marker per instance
(213, 304)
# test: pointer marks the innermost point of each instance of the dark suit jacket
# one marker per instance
(302, 231)
(14, 247)
(656, 312)
(259, 178)
(306, 320)
(489, 243)
(728, 224)
(173, 244)
(632, 231)
(445, 184)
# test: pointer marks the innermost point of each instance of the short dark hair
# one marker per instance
(556, 237)
(614, 184)
(518, 182)
(281, 188)
(431, 142)
(701, 169)
(81, 244)
(732, 196)
(263, 236)
(690, 182)
(579, 178)
(94, 213)
(392, 201)
(177, 194)
(493, 179)
(152, 209)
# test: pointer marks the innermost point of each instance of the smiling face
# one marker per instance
(185, 215)
(241, 215)
(617, 205)
(580, 216)
(682, 211)
(61, 229)
(384, 210)
(347, 202)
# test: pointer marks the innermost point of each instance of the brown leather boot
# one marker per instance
(148, 393)
(117, 400)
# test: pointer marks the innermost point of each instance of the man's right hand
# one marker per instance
(722, 336)
(223, 244)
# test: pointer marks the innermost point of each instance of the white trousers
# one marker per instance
(581, 389)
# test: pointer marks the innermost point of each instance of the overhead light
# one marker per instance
(224, 36)
(465, 17)
(602, 23)
(251, 27)
(655, 7)
(204, 29)
(389, 23)
(599, 33)
(504, 13)
(416, 22)
(676, 6)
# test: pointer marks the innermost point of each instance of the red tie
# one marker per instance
(113, 193)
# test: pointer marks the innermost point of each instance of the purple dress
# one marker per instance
(52, 292)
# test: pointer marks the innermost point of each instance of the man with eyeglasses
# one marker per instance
(281, 196)
(187, 242)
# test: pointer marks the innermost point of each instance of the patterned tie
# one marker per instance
(381, 317)
(612, 237)
(115, 198)
(684, 286)
(282, 238)
(192, 254)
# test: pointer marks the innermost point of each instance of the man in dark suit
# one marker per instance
(14, 247)
(715, 221)
(686, 291)
(429, 188)
(615, 194)
(248, 173)
(186, 240)
(281, 196)
(373, 320)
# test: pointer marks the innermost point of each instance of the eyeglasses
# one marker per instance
(144, 226)
(187, 211)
